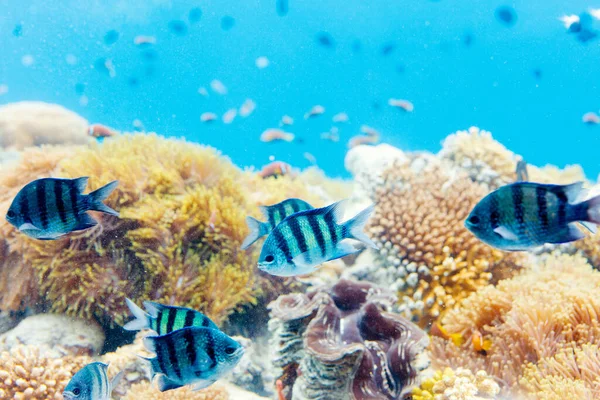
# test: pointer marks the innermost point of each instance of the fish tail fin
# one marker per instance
(95, 199)
(141, 320)
(354, 226)
(592, 216)
(257, 229)
(115, 380)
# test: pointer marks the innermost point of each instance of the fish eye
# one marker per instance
(474, 220)
(229, 350)
(10, 214)
(76, 391)
(269, 258)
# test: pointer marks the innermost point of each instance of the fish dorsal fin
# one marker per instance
(81, 183)
(521, 170)
(506, 233)
(153, 308)
(574, 192)
(264, 210)
(338, 210)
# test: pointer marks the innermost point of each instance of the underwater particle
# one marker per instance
(591, 118)
(208, 117)
(286, 120)
(99, 130)
(79, 88)
(282, 7)
(340, 117)
(18, 30)
(138, 125)
(325, 39)
(506, 15)
(356, 46)
(388, 48)
(229, 116)
(202, 91)
(315, 111)
(218, 87)
(3, 89)
(178, 27)
(27, 60)
(275, 169)
(71, 59)
(310, 158)
(275, 135)
(111, 37)
(105, 66)
(83, 100)
(149, 55)
(195, 15)
(144, 40)
(262, 62)
(247, 108)
(227, 22)
(402, 104)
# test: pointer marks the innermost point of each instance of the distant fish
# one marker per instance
(402, 104)
(275, 169)
(308, 238)
(105, 66)
(18, 30)
(111, 37)
(91, 383)
(569, 20)
(143, 40)
(202, 91)
(133, 81)
(325, 40)
(192, 356)
(506, 15)
(100, 131)
(314, 111)
(178, 27)
(229, 115)
(388, 49)
(208, 117)
(340, 117)
(274, 214)
(138, 125)
(218, 87)
(282, 7)
(360, 140)
(370, 131)
(331, 136)
(591, 118)
(275, 134)
(524, 215)
(262, 62)
(195, 15)
(521, 171)
(164, 319)
(79, 88)
(537, 73)
(468, 39)
(49, 208)
(3, 89)
(310, 158)
(227, 22)
(247, 108)
(286, 120)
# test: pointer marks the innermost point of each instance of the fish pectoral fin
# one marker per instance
(303, 261)
(85, 221)
(203, 384)
(506, 233)
(203, 362)
(28, 226)
(343, 249)
(165, 384)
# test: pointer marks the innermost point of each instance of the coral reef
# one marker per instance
(338, 337)
(426, 253)
(148, 391)
(127, 359)
(461, 384)
(26, 374)
(34, 123)
(519, 326)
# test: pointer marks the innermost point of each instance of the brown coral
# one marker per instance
(418, 225)
(147, 391)
(26, 374)
(549, 309)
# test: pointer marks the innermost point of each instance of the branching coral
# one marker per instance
(461, 384)
(25, 374)
(551, 308)
(425, 249)
(147, 391)
(340, 343)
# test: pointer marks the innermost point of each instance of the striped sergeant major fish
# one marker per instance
(195, 356)
(49, 208)
(524, 215)
(91, 383)
(164, 319)
(274, 215)
(308, 238)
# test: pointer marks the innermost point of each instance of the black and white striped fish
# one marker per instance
(50, 208)
(91, 383)
(308, 238)
(164, 319)
(524, 215)
(274, 215)
(192, 356)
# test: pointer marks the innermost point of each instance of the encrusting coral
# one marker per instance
(26, 374)
(424, 248)
(525, 330)
(341, 343)
(147, 391)
(461, 384)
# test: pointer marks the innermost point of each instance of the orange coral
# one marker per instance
(418, 226)
(550, 309)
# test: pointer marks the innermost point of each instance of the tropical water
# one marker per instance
(299, 200)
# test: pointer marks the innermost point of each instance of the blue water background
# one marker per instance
(490, 84)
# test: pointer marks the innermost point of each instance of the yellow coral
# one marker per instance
(26, 374)
(461, 384)
(418, 225)
(551, 307)
(147, 391)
